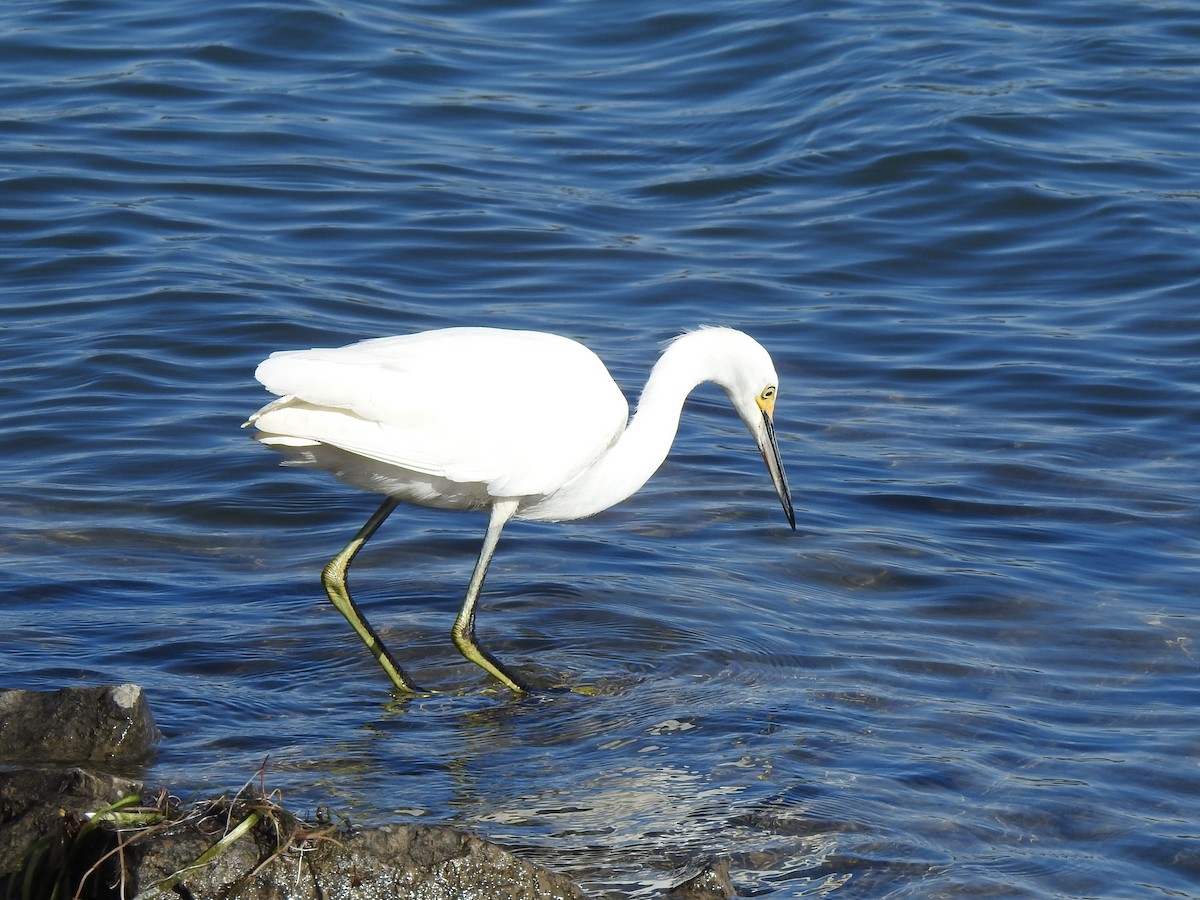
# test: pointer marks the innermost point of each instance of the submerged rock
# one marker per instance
(70, 828)
(705, 880)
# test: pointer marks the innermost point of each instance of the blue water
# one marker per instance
(968, 233)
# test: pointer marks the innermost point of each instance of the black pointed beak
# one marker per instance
(770, 453)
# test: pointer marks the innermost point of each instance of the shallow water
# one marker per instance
(966, 233)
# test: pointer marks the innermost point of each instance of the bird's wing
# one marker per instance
(521, 412)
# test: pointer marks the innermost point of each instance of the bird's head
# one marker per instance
(745, 370)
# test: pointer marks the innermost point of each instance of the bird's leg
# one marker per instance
(463, 632)
(334, 580)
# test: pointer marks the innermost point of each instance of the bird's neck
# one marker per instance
(642, 447)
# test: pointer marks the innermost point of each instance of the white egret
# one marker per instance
(524, 424)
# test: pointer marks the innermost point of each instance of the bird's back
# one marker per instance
(516, 413)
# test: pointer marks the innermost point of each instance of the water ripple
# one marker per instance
(966, 235)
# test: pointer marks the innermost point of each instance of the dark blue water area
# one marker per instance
(967, 233)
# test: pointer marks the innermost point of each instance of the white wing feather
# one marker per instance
(520, 412)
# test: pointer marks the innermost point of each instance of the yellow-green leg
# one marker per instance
(463, 632)
(334, 580)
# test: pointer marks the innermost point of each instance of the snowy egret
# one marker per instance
(524, 424)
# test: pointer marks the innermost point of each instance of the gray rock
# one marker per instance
(36, 804)
(48, 836)
(422, 862)
(109, 724)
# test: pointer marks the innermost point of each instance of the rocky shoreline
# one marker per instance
(69, 827)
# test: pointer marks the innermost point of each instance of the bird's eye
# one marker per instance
(768, 393)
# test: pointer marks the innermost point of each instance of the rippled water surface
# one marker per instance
(966, 232)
